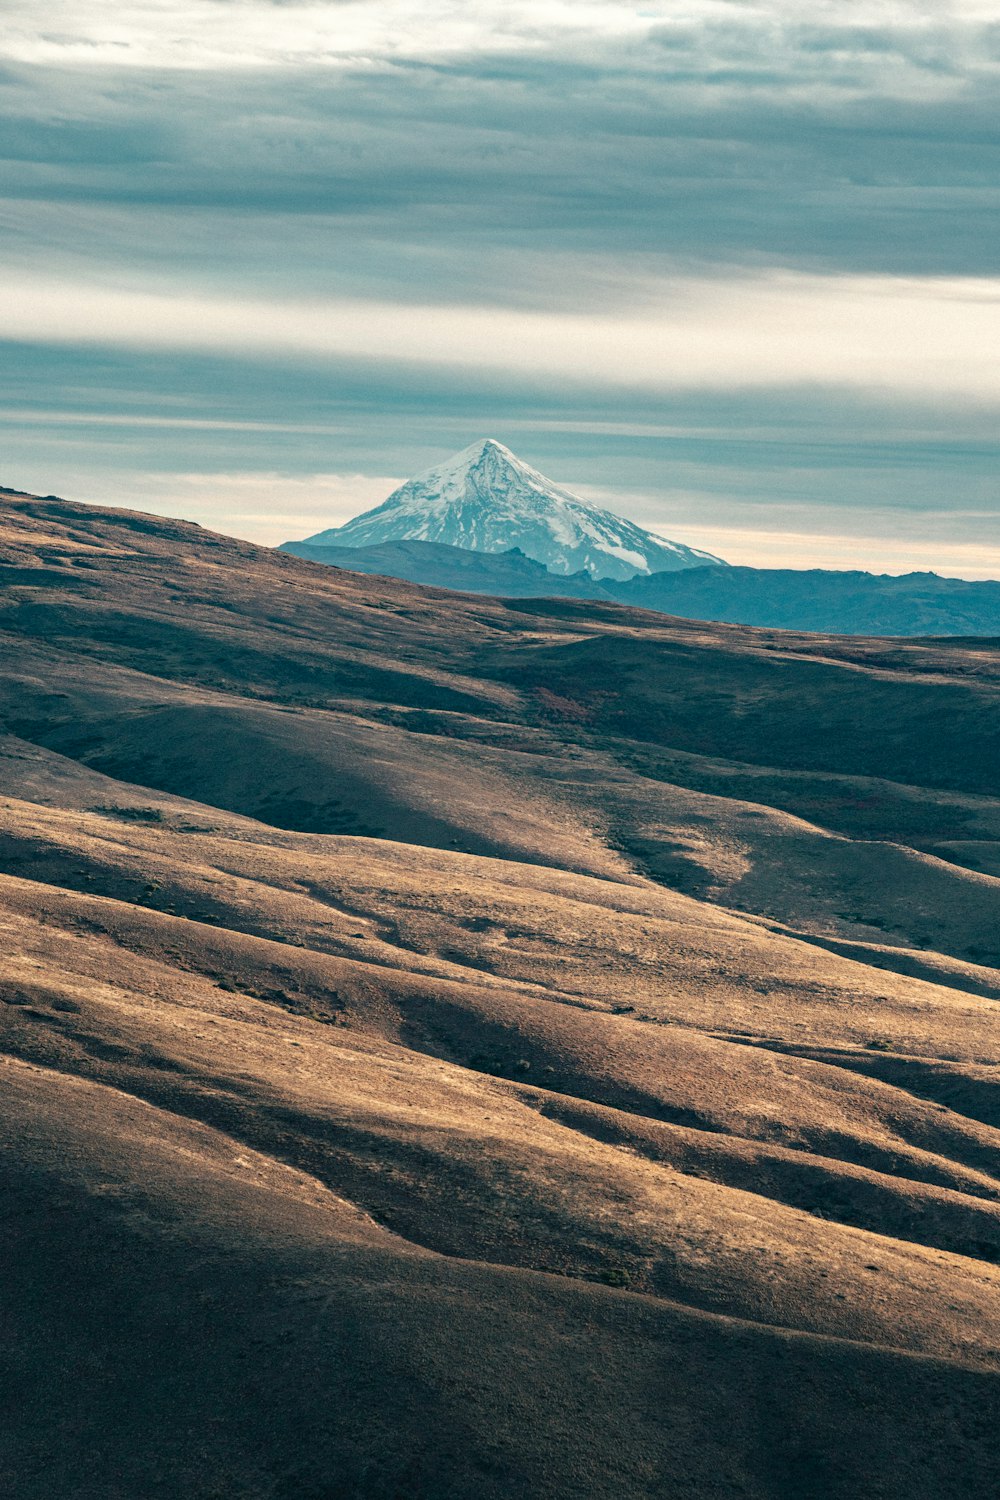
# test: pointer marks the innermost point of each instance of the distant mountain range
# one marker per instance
(839, 603)
(779, 598)
(486, 523)
(509, 574)
(486, 499)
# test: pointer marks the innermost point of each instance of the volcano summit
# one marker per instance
(486, 499)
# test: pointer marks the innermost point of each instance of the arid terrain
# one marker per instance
(465, 1048)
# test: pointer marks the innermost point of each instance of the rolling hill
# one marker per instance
(459, 1046)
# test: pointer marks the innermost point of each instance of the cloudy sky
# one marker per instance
(730, 266)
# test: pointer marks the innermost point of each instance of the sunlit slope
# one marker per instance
(458, 1033)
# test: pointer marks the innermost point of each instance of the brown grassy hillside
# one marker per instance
(454, 1048)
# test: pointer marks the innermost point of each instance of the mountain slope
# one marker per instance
(851, 603)
(487, 499)
(509, 574)
(529, 1049)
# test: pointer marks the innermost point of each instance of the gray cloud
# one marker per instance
(570, 175)
(514, 160)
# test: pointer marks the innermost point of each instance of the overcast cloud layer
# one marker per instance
(731, 269)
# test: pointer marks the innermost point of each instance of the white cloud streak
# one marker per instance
(933, 337)
(875, 552)
(231, 34)
(908, 48)
(268, 507)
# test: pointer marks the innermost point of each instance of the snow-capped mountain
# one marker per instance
(486, 499)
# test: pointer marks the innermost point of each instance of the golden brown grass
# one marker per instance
(452, 1049)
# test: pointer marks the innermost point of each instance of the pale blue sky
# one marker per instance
(732, 271)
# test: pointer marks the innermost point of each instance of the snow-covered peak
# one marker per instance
(488, 500)
(461, 463)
